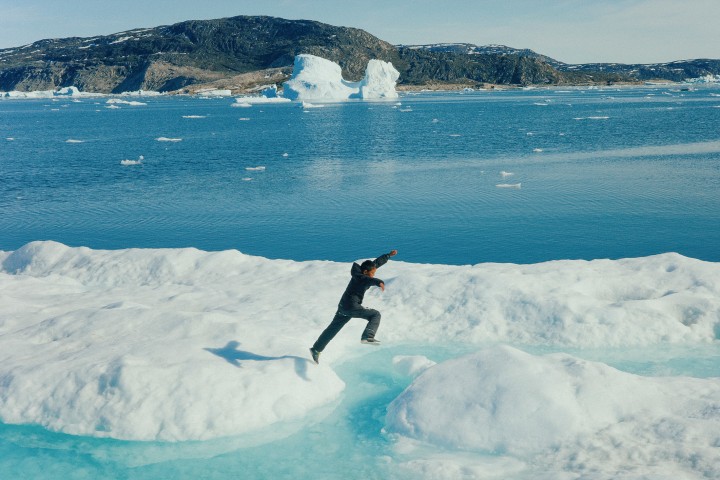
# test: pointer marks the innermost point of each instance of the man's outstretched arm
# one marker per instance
(382, 259)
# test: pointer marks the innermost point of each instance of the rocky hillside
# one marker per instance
(242, 52)
(193, 52)
(590, 72)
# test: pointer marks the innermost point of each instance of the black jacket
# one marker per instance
(359, 283)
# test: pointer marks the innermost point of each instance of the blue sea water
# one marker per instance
(621, 173)
(604, 173)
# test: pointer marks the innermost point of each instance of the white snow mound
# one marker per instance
(503, 400)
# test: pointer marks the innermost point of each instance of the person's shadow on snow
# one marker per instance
(235, 357)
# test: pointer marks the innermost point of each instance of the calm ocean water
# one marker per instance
(604, 173)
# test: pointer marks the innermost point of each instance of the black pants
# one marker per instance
(342, 316)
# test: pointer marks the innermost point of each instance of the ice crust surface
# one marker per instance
(182, 344)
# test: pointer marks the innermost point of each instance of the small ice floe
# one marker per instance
(132, 162)
(255, 169)
(537, 150)
(193, 116)
(241, 104)
(306, 105)
(541, 104)
(455, 135)
(132, 103)
(244, 119)
(505, 174)
(435, 120)
(591, 118)
(286, 154)
(262, 99)
(112, 107)
(509, 185)
(166, 139)
(10, 139)
(405, 109)
(72, 140)
(246, 179)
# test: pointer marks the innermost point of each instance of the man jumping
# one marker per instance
(350, 306)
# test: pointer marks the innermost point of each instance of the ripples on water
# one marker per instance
(603, 173)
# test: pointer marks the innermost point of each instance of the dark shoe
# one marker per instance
(315, 355)
(370, 341)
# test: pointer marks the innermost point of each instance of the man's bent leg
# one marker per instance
(369, 314)
(338, 322)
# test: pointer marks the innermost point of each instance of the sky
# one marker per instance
(572, 31)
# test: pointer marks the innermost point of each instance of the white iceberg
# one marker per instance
(316, 79)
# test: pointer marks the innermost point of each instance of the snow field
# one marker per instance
(181, 344)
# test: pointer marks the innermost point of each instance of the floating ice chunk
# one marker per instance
(67, 91)
(592, 118)
(214, 92)
(255, 169)
(244, 119)
(72, 140)
(306, 105)
(435, 120)
(141, 93)
(505, 174)
(244, 102)
(194, 116)
(112, 107)
(10, 139)
(455, 135)
(509, 185)
(132, 162)
(247, 179)
(132, 103)
(166, 139)
(285, 154)
(537, 150)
